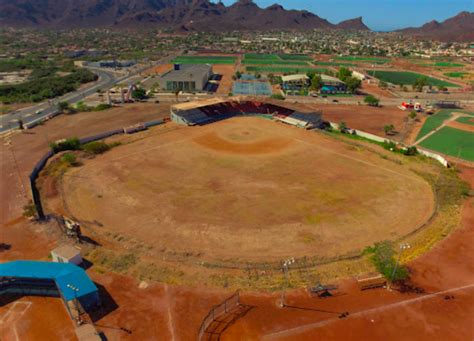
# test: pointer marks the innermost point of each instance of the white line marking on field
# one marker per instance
(297, 330)
(170, 315)
(12, 315)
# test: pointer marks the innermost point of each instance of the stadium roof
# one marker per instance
(63, 274)
(294, 78)
(329, 79)
(187, 72)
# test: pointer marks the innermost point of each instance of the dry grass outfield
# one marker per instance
(246, 189)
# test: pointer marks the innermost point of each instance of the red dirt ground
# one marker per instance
(460, 126)
(149, 316)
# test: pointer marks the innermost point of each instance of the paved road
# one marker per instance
(9, 121)
(107, 79)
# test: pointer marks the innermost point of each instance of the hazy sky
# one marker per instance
(378, 14)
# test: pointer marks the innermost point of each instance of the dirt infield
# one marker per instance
(461, 126)
(228, 184)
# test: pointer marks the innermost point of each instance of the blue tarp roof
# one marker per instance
(62, 273)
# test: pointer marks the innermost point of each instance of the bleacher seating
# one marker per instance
(206, 114)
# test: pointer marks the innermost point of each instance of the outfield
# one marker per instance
(282, 69)
(407, 78)
(453, 142)
(204, 60)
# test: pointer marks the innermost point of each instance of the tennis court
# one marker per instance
(252, 88)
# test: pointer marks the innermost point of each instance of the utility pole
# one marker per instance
(285, 267)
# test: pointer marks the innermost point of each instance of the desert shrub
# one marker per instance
(68, 144)
(70, 159)
(278, 96)
(29, 210)
(102, 106)
(96, 147)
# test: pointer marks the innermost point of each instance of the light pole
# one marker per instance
(75, 290)
(403, 247)
(285, 267)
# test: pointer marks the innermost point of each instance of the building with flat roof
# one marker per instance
(66, 254)
(187, 78)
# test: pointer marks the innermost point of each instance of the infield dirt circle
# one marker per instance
(247, 189)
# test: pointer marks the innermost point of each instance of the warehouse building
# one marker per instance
(187, 78)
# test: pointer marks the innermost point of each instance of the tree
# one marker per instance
(316, 83)
(238, 75)
(420, 83)
(382, 256)
(372, 100)
(388, 129)
(139, 93)
(342, 127)
(63, 106)
(344, 73)
(353, 84)
(383, 85)
(412, 115)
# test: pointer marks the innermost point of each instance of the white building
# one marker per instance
(66, 254)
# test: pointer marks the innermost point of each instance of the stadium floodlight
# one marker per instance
(285, 268)
(403, 247)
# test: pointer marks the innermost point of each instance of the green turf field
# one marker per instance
(334, 64)
(466, 120)
(282, 69)
(456, 74)
(375, 60)
(204, 60)
(436, 120)
(273, 62)
(451, 141)
(295, 57)
(263, 56)
(448, 64)
(407, 78)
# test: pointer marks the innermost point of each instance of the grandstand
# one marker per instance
(203, 112)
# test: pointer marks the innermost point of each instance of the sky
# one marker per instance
(379, 15)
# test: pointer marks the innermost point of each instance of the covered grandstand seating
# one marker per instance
(49, 279)
(302, 120)
(221, 110)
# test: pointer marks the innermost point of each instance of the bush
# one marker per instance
(371, 100)
(97, 147)
(383, 257)
(70, 159)
(29, 210)
(411, 151)
(278, 96)
(102, 106)
(68, 144)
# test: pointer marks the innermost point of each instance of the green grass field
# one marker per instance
(407, 78)
(204, 60)
(466, 120)
(434, 122)
(453, 142)
(282, 69)
(375, 60)
(295, 57)
(264, 56)
(333, 64)
(456, 74)
(272, 62)
(447, 64)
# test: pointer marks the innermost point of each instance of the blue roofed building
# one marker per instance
(64, 280)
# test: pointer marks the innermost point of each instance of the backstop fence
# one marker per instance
(218, 311)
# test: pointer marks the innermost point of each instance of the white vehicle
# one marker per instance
(38, 112)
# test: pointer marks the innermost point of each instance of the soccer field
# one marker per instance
(453, 142)
(407, 78)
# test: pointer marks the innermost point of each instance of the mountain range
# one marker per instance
(197, 15)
